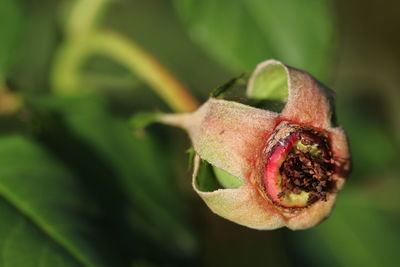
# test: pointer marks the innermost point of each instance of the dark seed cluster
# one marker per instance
(306, 171)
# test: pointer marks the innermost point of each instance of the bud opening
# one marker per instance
(300, 168)
(267, 169)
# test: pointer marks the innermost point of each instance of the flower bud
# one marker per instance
(291, 163)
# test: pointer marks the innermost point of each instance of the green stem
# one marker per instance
(82, 20)
(82, 39)
(83, 17)
(65, 76)
(146, 67)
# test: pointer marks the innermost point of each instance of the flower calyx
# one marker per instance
(290, 164)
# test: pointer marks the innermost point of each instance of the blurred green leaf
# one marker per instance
(373, 146)
(10, 26)
(37, 44)
(241, 34)
(40, 209)
(139, 166)
(356, 234)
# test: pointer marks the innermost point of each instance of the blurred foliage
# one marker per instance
(11, 21)
(360, 225)
(40, 218)
(245, 33)
(78, 187)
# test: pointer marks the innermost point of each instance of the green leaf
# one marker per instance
(373, 146)
(41, 208)
(136, 164)
(37, 43)
(356, 234)
(22, 244)
(241, 34)
(10, 27)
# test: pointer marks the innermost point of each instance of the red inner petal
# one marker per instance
(274, 162)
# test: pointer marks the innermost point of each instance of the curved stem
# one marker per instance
(83, 17)
(65, 76)
(82, 21)
(71, 55)
(145, 66)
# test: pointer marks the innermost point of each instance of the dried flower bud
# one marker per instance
(291, 164)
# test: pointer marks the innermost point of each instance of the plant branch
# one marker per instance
(146, 67)
(83, 39)
(83, 17)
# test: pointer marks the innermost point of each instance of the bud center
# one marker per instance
(299, 170)
(308, 168)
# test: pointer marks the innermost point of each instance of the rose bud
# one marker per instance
(289, 165)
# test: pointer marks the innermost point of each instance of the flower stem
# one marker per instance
(82, 38)
(84, 17)
(146, 67)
